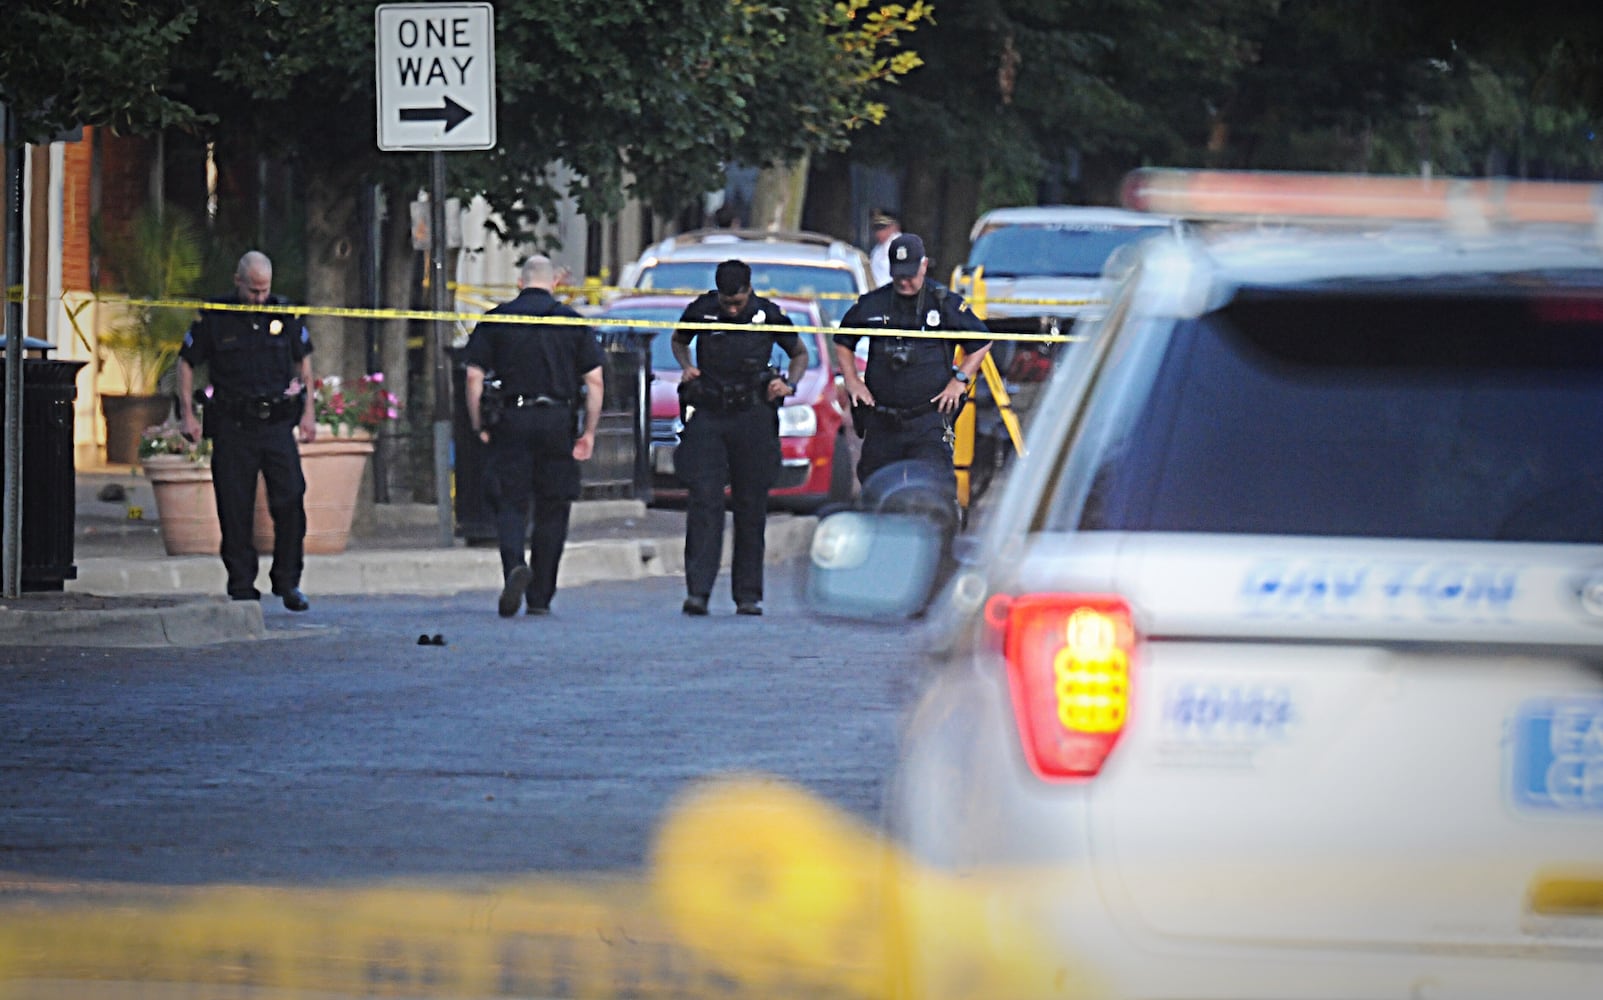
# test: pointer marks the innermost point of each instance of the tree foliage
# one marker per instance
(629, 95)
(1022, 91)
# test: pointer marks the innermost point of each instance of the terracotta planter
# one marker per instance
(333, 467)
(126, 419)
(185, 505)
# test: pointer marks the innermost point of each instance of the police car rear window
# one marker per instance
(1466, 416)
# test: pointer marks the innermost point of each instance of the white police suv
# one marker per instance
(1278, 668)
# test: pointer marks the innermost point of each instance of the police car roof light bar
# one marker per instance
(1479, 204)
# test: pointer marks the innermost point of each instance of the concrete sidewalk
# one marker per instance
(130, 592)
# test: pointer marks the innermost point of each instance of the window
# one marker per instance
(1059, 251)
(1386, 413)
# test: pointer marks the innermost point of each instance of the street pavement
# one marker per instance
(129, 592)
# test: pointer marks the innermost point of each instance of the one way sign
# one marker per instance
(436, 75)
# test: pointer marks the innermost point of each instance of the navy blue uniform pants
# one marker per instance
(242, 451)
(887, 439)
(740, 449)
(531, 462)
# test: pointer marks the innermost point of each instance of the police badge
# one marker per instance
(276, 327)
(933, 318)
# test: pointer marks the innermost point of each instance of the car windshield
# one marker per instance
(1058, 251)
(1386, 414)
(662, 358)
(801, 280)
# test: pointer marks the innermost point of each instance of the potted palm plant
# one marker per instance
(158, 256)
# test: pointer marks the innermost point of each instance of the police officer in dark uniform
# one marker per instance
(731, 393)
(261, 375)
(913, 390)
(534, 451)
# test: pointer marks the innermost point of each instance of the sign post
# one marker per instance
(436, 92)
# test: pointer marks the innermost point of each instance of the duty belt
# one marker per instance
(267, 409)
(522, 401)
(904, 413)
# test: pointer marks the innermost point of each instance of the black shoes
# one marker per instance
(512, 593)
(294, 600)
(695, 605)
(536, 610)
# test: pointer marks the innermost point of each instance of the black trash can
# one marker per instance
(49, 475)
(475, 522)
(621, 465)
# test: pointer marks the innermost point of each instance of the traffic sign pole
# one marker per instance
(435, 70)
(442, 360)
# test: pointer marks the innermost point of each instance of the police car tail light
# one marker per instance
(1069, 662)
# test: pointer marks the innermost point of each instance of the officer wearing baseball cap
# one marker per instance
(905, 406)
(885, 229)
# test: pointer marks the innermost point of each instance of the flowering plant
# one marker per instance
(167, 438)
(360, 405)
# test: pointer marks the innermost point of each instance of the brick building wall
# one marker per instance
(77, 168)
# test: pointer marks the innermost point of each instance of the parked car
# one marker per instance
(816, 453)
(1277, 668)
(808, 265)
(1050, 260)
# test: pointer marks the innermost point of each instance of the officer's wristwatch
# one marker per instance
(960, 375)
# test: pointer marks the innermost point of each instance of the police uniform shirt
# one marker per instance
(929, 359)
(533, 360)
(250, 354)
(729, 356)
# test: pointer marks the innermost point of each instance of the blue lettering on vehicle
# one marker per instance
(1230, 711)
(1557, 756)
(1436, 591)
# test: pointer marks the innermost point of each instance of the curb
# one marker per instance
(192, 623)
(431, 572)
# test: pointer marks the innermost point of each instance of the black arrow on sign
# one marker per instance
(451, 113)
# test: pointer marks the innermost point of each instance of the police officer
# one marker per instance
(731, 394)
(534, 451)
(261, 375)
(912, 391)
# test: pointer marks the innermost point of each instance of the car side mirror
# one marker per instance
(873, 566)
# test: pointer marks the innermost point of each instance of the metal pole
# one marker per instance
(442, 359)
(11, 225)
(373, 281)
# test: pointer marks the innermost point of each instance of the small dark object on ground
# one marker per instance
(112, 493)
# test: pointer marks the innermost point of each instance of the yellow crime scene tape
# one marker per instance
(755, 889)
(474, 296)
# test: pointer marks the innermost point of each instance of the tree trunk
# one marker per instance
(921, 200)
(960, 201)
(829, 199)
(399, 443)
(777, 202)
(334, 271)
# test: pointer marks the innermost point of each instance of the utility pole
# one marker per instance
(11, 226)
